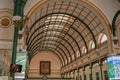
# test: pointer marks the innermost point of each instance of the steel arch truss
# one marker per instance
(57, 32)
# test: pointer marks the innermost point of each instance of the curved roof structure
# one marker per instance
(64, 27)
(71, 35)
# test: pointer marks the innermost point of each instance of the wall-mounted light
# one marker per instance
(17, 20)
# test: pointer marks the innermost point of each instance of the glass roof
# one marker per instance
(63, 30)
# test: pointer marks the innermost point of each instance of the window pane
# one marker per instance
(104, 38)
(84, 50)
(85, 78)
(90, 76)
(97, 76)
(93, 45)
(80, 77)
(106, 75)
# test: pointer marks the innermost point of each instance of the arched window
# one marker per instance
(102, 38)
(69, 60)
(78, 54)
(91, 45)
(73, 57)
(84, 50)
(66, 61)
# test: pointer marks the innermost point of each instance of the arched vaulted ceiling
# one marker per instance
(64, 27)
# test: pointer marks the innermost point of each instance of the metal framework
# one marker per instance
(114, 22)
(64, 28)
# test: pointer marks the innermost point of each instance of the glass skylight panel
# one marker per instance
(53, 42)
(59, 18)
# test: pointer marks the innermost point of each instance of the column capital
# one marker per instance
(100, 64)
(83, 69)
(90, 66)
